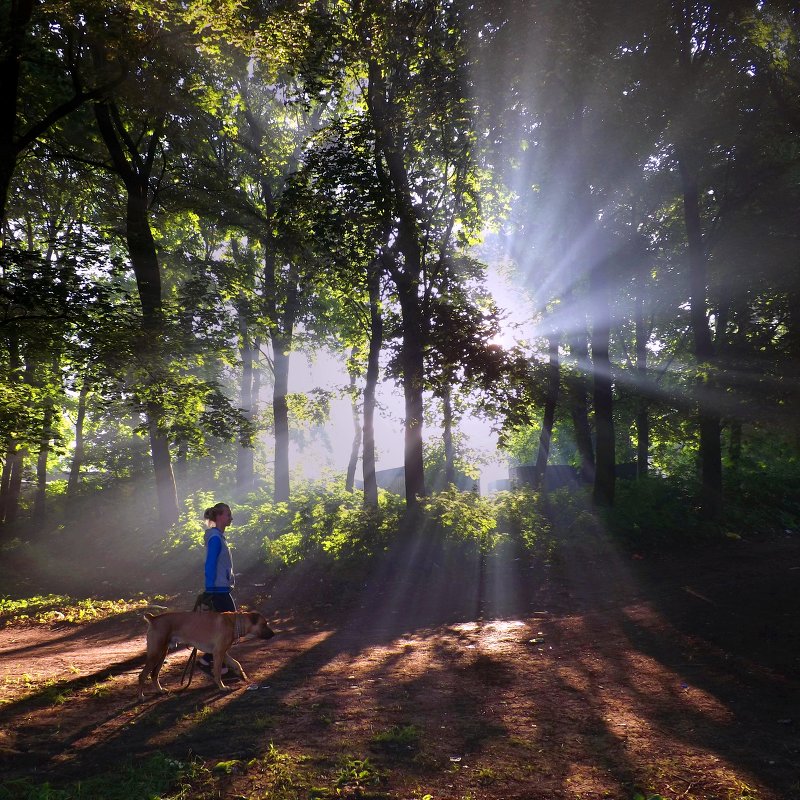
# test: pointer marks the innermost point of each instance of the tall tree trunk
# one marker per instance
(255, 395)
(17, 466)
(352, 462)
(78, 452)
(370, 385)
(735, 445)
(407, 283)
(603, 384)
(447, 435)
(40, 498)
(551, 400)
(643, 406)
(15, 20)
(5, 479)
(412, 361)
(280, 412)
(245, 453)
(578, 391)
(17, 454)
(135, 175)
(710, 444)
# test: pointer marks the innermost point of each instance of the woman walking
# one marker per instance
(219, 578)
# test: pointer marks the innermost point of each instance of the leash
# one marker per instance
(203, 603)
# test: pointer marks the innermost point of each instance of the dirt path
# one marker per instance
(595, 677)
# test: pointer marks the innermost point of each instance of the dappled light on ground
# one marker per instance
(592, 678)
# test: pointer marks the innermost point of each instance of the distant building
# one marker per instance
(394, 480)
(560, 476)
(501, 485)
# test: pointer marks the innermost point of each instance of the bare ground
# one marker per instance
(600, 674)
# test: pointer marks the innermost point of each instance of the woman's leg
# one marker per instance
(221, 601)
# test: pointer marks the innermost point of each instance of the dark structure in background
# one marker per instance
(393, 480)
(559, 476)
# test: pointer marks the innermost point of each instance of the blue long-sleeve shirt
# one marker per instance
(218, 566)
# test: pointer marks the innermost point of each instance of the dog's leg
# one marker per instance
(155, 659)
(220, 657)
(161, 655)
(235, 666)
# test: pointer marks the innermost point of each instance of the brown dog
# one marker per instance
(209, 631)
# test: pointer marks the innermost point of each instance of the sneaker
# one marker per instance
(206, 664)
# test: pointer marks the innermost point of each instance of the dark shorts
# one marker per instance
(222, 601)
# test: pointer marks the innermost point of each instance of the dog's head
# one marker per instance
(258, 627)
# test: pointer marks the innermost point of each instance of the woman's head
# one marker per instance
(220, 515)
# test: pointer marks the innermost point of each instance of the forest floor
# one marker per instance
(602, 673)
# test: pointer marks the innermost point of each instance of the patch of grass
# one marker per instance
(152, 778)
(50, 608)
(485, 775)
(101, 688)
(400, 739)
(198, 715)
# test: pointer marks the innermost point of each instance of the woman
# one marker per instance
(219, 577)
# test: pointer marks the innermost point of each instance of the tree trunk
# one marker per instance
(407, 283)
(5, 479)
(447, 435)
(603, 386)
(245, 453)
(352, 462)
(78, 452)
(735, 445)
(643, 407)
(135, 174)
(412, 361)
(710, 444)
(280, 411)
(40, 498)
(578, 391)
(551, 400)
(17, 459)
(371, 383)
(18, 15)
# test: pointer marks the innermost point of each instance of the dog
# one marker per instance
(209, 631)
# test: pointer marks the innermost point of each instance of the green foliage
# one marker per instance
(464, 516)
(321, 521)
(46, 609)
(761, 487)
(652, 509)
(188, 531)
(152, 778)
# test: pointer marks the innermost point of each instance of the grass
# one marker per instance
(50, 608)
(398, 740)
(156, 778)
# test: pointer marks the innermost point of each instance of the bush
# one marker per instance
(652, 508)
(464, 516)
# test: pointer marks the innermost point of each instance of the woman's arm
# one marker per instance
(213, 550)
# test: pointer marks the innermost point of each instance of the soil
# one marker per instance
(599, 673)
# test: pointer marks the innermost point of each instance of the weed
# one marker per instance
(101, 689)
(356, 774)
(54, 693)
(198, 715)
(228, 767)
(398, 739)
(486, 775)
